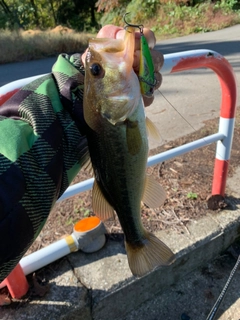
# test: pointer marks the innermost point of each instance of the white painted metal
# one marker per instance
(226, 127)
(224, 136)
(172, 59)
(87, 184)
(44, 256)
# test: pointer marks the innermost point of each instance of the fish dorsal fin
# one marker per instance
(100, 206)
(154, 195)
(152, 130)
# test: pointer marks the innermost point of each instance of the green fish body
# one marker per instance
(118, 146)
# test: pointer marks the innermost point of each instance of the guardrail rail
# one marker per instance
(177, 62)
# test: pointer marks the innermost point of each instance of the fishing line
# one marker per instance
(177, 111)
(222, 294)
(190, 125)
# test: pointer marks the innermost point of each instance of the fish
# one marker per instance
(117, 139)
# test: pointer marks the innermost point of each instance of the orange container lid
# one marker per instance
(87, 224)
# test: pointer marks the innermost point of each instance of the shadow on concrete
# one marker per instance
(194, 294)
(222, 268)
(232, 203)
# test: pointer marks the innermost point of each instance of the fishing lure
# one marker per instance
(146, 67)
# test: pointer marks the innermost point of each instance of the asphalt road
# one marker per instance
(194, 94)
(18, 70)
(226, 42)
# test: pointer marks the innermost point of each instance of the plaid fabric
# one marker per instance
(41, 150)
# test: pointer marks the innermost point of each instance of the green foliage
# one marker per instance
(227, 5)
(79, 15)
(112, 12)
(113, 17)
(192, 195)
(81, 210)
(27, 14)
(43, 14)
(139, 11)
(71, 221)
(202, 17)
(164, 17)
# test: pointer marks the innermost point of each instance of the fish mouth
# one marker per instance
(123, 47)
(117, 87)
(129, 46)
(107, 45)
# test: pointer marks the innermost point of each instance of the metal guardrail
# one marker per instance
(173, 63)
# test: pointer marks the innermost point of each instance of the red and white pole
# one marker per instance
(210, 59)
(176, 62)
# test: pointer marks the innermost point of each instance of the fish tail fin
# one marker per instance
(148, 255)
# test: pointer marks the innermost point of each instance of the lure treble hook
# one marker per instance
(146, 67)
(139, 26)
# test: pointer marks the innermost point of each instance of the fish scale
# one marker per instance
(118, 146)
(122, 174)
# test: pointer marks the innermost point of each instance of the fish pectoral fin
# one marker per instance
(148, 255)
(100, 205)
(152, 130)
(154, 195)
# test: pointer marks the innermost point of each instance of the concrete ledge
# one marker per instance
(101, 286)
(205, 240)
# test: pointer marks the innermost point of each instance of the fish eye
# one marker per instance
(96, 69)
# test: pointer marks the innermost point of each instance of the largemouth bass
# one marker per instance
(118, 146)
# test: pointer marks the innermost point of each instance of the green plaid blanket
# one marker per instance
(42, 148)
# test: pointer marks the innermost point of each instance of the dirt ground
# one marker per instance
(187, 180)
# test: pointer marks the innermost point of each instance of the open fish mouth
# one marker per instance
(120, 48)
(111, 77)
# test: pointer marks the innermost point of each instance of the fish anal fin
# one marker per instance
(100, 206)
(154, 195)
(152, 130)
(148, 256)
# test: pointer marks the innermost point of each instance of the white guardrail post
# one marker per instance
(176, 62)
